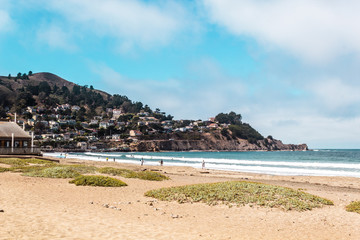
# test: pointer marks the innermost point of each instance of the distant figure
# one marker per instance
(203, 164)
(107, 159)
(161, 162)
(142, 161)
(114, 159)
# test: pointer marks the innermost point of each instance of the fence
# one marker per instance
(20, 151)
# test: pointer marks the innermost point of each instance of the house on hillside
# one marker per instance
(14, 140)
(135, 133)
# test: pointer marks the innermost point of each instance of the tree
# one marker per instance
(9, 76)
(39, 127)
(25, 99)
(30, 73)
(229, 118)
(76, 90)
(24, 76)
(44, 87)
(55, 89)
(18, 75)
(2, 112)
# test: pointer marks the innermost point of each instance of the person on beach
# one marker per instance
(107, 159)
(161, 162)
(203, 164)
(142, 161)
(114, 159)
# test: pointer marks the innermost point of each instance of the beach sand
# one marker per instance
(43, 208)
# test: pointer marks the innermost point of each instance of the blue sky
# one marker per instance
(291, 68)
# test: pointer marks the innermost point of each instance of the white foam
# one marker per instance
(253, 166)
(252, 162)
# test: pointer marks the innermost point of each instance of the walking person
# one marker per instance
(203, 164)
(142, 161)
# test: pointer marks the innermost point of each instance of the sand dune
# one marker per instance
(42, 208)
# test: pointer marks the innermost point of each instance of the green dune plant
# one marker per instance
(53, 172)
(144, 175)
(23, 161)
(353, 207)
(60, 171)
(3, 169)
(238, 193)
(95, 180)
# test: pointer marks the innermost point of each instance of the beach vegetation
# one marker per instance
(26, 164)
(3, 169)
(95, 180)
(353, 207)
(238, 193)
(144, 175)
(23, 161)
(58, 171)
(53, 172)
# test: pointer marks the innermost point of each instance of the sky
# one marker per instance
(290, 68)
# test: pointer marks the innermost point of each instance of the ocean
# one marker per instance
(321, 162)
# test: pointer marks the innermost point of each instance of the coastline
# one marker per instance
(42, 208)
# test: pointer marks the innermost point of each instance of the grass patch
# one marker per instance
(150, 175)
(3, 169)
(100, 181)
(17, 162)
(57, 171)
(82, 169)
(26, 169)
(241, 193)
(13, 161)
(116, 172)
(353, 207)
(53, 172)
(144, 175)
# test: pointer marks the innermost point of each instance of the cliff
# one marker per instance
(215, 142)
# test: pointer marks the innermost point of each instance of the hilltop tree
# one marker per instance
(24, 76)
(229, 118)
(30, 73)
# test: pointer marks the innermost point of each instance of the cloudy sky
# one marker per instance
(291, 68)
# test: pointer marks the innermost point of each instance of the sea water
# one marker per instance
(322, 162)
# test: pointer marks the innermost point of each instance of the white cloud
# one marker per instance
(6, 23)
(130, 22)
(308, 127)
(202, 96)
(315, 31)
(56, 37)
(336, 94)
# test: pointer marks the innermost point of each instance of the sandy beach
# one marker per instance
(44, 208)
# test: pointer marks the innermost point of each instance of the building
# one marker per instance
(14, 140)
(135, 133)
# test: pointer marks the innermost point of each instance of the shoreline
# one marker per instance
(260, 165)
(44, 208)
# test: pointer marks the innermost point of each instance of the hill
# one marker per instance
(69, 116)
